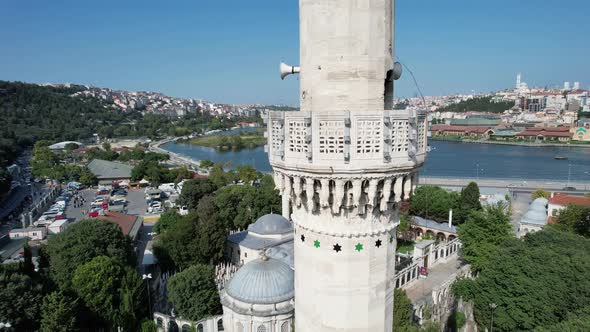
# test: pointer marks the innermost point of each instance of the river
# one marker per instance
(447, 159)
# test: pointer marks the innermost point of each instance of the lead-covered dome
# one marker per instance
(262, 281)
(271, 224)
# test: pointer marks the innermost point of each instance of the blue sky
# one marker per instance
(229, 50)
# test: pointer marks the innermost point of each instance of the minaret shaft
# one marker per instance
(342, 165)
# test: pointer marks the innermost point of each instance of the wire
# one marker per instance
(414, 79)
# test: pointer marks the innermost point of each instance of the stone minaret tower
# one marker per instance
(343, 163)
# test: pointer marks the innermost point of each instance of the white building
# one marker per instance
(535, 219)
(558, 202)
(58, 226)
(259, 297)
(343, 163)
(36, 233)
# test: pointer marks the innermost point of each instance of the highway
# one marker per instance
(511, 184)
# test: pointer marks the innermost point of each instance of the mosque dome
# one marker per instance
(536, 215)
(271, 224)
(542, 201)
(262, 281)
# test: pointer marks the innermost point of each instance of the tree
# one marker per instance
(205, 163)
(247, 173)
(193, 190)
(482, 232)
(167, 219)
(403, 311)
(20, 300)
(433, 202)
(218, 176)
(148, 325)
(28, 266)
(112, 291)
(243, 205)
(197, 238)
(82, 242)
(58, 313)
(196, 282)
(576, 219)
(468, 201)
(87, 178)
(540, 193)
(534, 283)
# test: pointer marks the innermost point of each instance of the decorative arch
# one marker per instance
(200, 328)
(261, 328)
(172, 326)
(441, 237)
(159, 322)
(186, 328)
(220, 325)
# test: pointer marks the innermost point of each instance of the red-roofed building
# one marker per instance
(130, 225)
(559, 202)
(546, 134)
(469, 131)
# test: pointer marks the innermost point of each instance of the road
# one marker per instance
(512, 184)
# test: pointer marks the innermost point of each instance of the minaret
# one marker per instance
(343, 164)
(518, 81)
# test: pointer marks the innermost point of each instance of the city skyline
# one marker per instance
(174, 50)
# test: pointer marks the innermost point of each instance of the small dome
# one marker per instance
(271, 224)
(262, 281)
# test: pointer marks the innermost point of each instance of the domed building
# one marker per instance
(272, 231)
(259, 297)
(535, 218)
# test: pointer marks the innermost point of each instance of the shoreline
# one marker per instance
(527, 144)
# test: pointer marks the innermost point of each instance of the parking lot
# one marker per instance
(136, 204)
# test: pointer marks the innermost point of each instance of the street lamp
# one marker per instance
(493, 306)
(147, 278)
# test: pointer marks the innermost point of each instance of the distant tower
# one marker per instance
(518, 77)
(343, 164)
(576, 85)
(566, 85)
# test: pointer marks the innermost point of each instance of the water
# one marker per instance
(447, 159)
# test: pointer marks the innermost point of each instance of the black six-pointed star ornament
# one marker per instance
(302, 238)
(378, 243)
(337, 247)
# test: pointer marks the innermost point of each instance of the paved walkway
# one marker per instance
(422, 289)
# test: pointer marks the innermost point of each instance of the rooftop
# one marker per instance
(271, 224)
(262, 281)
(128, 223)
(104, 169)
(419, 221)
(467, 129)
(564, 200)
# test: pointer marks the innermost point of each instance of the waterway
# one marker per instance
(446, 159)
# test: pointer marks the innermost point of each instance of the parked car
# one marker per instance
(94, 213)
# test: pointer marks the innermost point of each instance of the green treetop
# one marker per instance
(196, 282)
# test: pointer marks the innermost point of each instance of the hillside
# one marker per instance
(481, 104)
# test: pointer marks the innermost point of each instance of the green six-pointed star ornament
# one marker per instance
(316, 243)
(358, 247)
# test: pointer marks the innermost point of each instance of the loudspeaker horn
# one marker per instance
(287, 70)
(397, 71)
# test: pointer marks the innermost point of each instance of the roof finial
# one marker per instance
(263, 256)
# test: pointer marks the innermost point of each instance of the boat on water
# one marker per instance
(560, 158)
